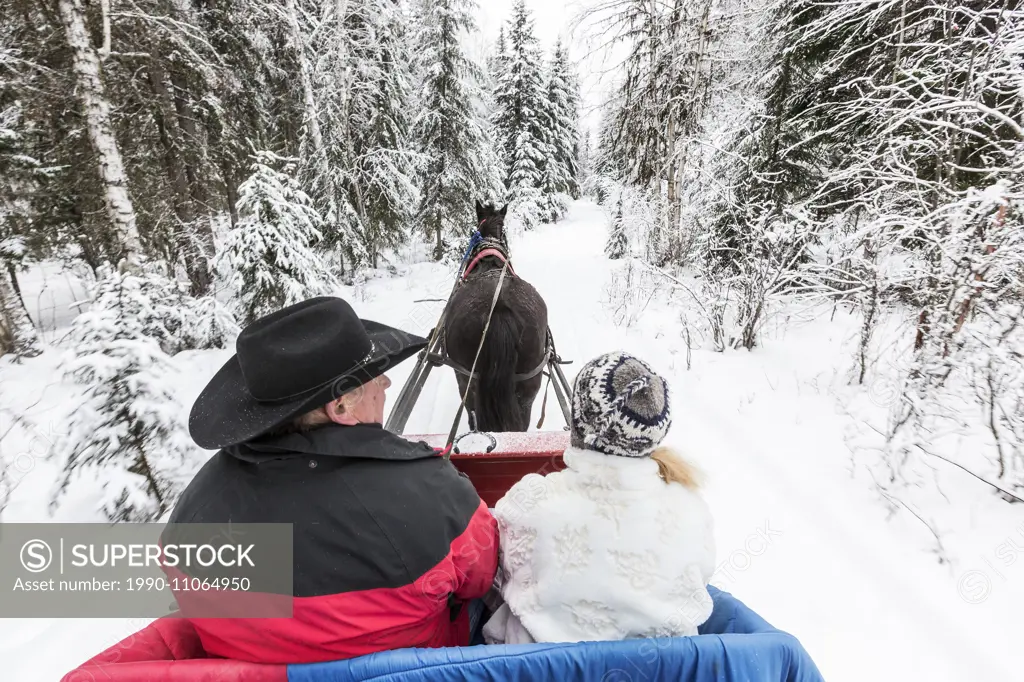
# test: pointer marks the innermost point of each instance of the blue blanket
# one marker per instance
(734, 645)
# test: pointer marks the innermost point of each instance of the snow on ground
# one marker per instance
(802, 536)
(50, 291)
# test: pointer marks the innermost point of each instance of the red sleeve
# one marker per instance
(475, 555)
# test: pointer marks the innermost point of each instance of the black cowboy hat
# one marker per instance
(290, 362)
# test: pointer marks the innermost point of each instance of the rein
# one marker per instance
(472, 370)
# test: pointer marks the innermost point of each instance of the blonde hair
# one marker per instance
(674, 469)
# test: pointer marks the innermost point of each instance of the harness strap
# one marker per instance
(472, 370)
(517, 377)
(544, 402)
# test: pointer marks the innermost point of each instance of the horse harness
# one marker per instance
(479, 248)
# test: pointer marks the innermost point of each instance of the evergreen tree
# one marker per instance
(270, 253)
(459, 164)
(584, 159)
(519, 119)
(617, 245)
(496, 61)
(127, 431)
(769, 168)
(382, 106)
(561, 120)
(563, 103)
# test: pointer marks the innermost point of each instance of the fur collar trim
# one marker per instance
(612, 470)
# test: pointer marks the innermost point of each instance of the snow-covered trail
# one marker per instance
(799, 540)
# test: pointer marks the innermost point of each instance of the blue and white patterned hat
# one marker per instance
(619, 406)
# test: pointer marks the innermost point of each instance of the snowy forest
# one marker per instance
(863, 155)
(203, 164)
(809, 214)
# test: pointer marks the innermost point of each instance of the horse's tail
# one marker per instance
(497, 408)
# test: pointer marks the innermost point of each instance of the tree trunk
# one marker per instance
(231, 190)
(193, 159)
(308, 98)
(184, 208)
(311, 116)
(93, 98)
(17, 333)
(14, 283)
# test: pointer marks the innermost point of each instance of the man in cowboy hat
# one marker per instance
(389, 540)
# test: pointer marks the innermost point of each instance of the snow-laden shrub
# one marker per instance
(629, 291)
(527, 209)
(127, 434)
(555, 206)
(269, 255)
(211, 325)
(966, 373)
(637, 217)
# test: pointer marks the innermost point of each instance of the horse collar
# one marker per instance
(484, 253)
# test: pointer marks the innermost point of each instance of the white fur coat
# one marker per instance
(604, 550)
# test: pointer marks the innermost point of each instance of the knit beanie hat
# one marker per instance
(619, 406)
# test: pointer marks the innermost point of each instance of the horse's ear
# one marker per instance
(479, 211)
(503, 210)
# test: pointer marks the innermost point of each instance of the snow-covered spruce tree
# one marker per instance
(460, 165)
(381, 111)
(322, 47)
(127, 434)
(562, 112)
(606, 161)
(269, 254)
(584, 159)
(496, 61)
(208, 324)
(519, 120)
(617, 245)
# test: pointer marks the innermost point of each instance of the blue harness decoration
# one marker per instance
(473, 241)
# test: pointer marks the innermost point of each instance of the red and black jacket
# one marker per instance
(386, 537)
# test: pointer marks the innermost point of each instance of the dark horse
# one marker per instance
(508, 372)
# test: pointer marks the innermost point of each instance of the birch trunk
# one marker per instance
(93, 98)
(308, 98)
